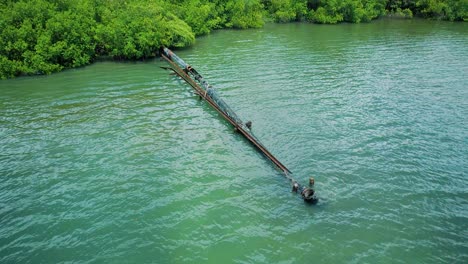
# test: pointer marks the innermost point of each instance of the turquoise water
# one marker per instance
(121, 163)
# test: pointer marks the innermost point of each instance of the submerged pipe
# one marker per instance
(205, 91)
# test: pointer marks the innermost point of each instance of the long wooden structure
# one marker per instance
(204, 90)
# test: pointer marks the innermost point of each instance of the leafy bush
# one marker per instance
(453, 10)
(45, 36)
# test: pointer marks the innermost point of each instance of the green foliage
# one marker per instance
(432, 8)
(355, 11)
(328, 13)
(401, 13)
(459, 10)
(41, 37)
(282, 11)
(68, 38)
(444, 9)
(201, 16)
(373, 9)
(21, 24)
(45, 36)
(244, 14)
(205, 15)
(286, 10)
(120, 35)
(393, 5)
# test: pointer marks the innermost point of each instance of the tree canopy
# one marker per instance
(45, 36)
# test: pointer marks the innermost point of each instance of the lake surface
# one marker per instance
(121, 163)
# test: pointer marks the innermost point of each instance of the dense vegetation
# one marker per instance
(45, 36)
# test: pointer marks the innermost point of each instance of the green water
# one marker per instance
(121, 163)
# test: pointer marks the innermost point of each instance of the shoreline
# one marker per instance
(109, 58)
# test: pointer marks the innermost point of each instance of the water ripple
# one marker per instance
(120, 161)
